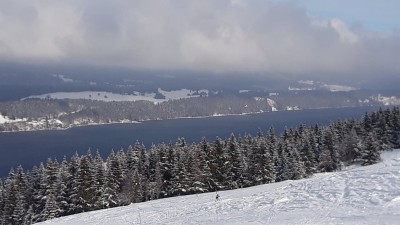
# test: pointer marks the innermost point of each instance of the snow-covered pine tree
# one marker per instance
(283, 172)
(100, 182)
(138, 187)
(273, 152)
(131, 158)
(350, 147)
(46, 187)
(296, 165)
(246, 179)
(307, 153)
(10, 198)
(114, 179)
(36, 193)
(179, 182)
(198, 170)
(122, 161)
(85, 184)
(2, 193)
(72, 184)
(206, 152)
(329, 158)
(131, 191)
(217, 165)
(155, 183)
(395, 122)
(370, 154)
(51, 209)
(21, 207)
(235, 169)
(62, 189)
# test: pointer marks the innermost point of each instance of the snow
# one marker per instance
(290, 108)
(3, 119)
(308, 82)
(361, 195)
(63, 78)
(334, 88)
(179, 94)
(392, 100)
(300, 89)
(108, 96)
(272, 103)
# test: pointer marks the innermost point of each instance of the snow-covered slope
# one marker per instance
(364, 195)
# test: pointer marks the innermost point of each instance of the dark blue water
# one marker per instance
(31, 148)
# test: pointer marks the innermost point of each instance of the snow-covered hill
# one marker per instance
(364, 195)
(136, 96)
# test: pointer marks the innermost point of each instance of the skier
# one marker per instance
(217, 197)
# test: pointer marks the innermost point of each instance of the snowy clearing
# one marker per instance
(108, 96)
(364, 195)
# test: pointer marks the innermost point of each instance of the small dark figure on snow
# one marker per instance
(217, 197)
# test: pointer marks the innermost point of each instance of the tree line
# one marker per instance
(136, 174)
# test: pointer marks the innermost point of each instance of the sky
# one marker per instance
(324, 38)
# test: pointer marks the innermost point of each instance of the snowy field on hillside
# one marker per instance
(363, 195)
(108, 96)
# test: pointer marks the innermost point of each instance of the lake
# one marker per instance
(31, 148)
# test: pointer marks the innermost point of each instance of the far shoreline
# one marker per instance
(195, 117)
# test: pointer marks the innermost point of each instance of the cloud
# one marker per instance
(207, 35)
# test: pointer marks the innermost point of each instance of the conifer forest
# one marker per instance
(90, 182)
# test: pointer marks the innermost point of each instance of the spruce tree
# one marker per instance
(370, 153)
(62, 190)
(2, 193)
(99, 182)
(235, 168)
(10, 198)
(21, 184)
(85, 184)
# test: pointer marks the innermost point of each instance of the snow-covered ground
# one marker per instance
(5, 119)
(392, 100)
(334, 88)
(364, 195)
(108, 96)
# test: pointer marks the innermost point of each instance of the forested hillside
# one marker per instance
(47, 114)
(89, 182)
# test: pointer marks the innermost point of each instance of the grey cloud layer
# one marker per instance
(209, 35)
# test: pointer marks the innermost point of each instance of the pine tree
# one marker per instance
(37, 194)
(198, 170)
(51, 209)
(217, 165)
(350, 147)
(85, 183)
(122, 161)
(307, 157)
(273, 153)
(21, 207)
(235, 168)
(206, 152)
(329, 158)
(10, 198)
(370, 154)
(62, 190)
(114, 167)
(99, 182)
(110, 195)
(2, 193)
(283, 169)
(72, 184)
(155, 176)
